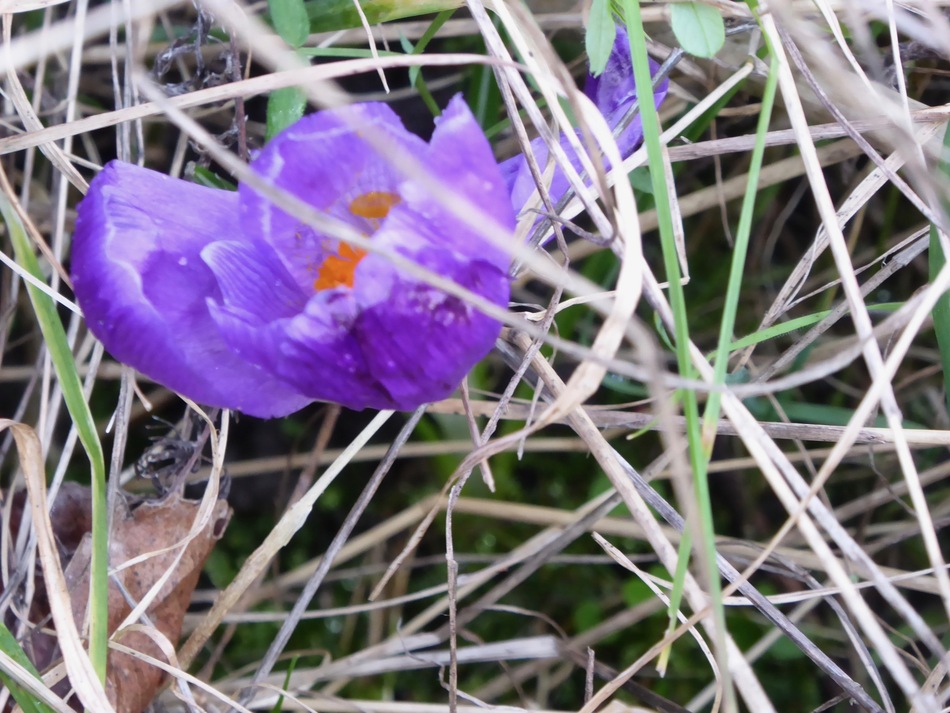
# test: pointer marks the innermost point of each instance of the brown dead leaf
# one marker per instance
(161, 527)
(149, 528)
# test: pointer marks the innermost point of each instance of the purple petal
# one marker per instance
(420, 343)
(355, 349)
(460, 157)
(253, 280)
(141, 281)
(509, 170)
(614, 92)
(315, 350)
(215, 295)
(615, 86)
(523, 185)
(308, 343)
(323, 160)
(389, 341)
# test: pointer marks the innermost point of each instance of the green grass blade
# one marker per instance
(775, 331)
(803, 322)
(279, 705)
(330, 15)
(26, 701)
(415, 73)
(937, 258)
(651, 134)
(346, 52)
(416, 79)
(737, 269)
(54, 337)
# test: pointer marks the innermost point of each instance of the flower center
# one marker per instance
(339, 270)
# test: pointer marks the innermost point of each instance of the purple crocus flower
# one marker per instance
(614, 92)
(223, 297)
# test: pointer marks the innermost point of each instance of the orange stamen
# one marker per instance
(339, 270)
(374, 205)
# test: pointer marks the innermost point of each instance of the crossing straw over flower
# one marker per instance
(225, 298)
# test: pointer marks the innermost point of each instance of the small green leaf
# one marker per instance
(290, 20)
(588, 614)
(699, 28)
(640, 180)
(205, 177)
(601, 33)
(284, 107)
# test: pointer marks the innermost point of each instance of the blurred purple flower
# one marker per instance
(614, 92)
(224, 298)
